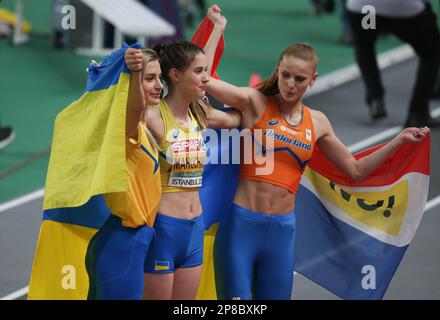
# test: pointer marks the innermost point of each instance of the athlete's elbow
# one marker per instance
(356, 175)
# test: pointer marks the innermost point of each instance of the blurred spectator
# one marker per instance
(412, 21)
(328, 6)
(346, 34)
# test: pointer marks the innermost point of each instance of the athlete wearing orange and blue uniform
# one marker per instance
(178, 243)
(116, 253)
(253, 250)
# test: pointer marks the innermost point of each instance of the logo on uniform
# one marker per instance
(309, 134)
(161, 265)
(293, 132)
(175, 133)
(187, 146)
(272, 122)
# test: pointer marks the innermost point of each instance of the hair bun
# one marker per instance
(159, 48)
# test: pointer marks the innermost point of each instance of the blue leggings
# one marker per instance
(253, 255)
(115, 260)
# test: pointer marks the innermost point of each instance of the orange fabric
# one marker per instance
(289, 154)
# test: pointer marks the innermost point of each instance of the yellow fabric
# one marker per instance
(183, 153)
(88, 153)
(58, 272)
(139, 204)
(207, 289)
(10, 18)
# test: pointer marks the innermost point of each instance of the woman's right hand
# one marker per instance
(214, 14)
(133, 59)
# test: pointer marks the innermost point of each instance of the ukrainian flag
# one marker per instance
(87, 160)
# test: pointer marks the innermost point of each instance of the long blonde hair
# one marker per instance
(148, 56)
(269, 87)
(179, 55)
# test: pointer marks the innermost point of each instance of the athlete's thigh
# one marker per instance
(274, 271)
(235, 249)
(186, 283)
(158, 286)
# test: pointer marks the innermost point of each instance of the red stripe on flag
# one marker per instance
(410, 157)
(201, 36)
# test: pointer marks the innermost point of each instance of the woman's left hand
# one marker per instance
(215, 15)
(412, 134)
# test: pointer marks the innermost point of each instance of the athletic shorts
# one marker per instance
(178, 243)
(115, 260)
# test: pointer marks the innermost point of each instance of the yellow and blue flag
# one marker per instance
(87, 160)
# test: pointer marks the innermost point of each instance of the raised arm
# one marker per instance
(136, 100)
(220, 22)
(240, 98)
(341, 157)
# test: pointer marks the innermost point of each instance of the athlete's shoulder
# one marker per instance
(321, 123)
(318, 116)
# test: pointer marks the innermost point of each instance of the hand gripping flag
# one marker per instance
(87, 160)
(350, 237)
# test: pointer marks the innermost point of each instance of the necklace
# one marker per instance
(295, 119)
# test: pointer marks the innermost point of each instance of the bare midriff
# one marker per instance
(182, 205)
(264, 197)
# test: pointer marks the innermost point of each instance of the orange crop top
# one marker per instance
(281, 160)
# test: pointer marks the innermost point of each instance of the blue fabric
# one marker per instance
(253, 255)
(92, 214)
(178, 243)
(219, 180)
(114, 261)
(336, 260)
(109, 69)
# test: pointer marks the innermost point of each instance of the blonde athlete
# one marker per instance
(116, 253)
